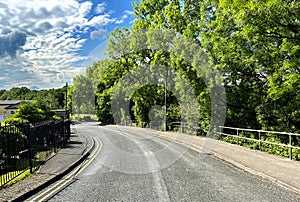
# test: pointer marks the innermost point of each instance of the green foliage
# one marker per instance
(255, 45)
(32, 112)
(83, 95)
(15, 93)
(12, 141)
(55, 98)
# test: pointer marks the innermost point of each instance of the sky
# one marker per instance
(45, 43)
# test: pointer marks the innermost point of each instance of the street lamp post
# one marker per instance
(166, 101)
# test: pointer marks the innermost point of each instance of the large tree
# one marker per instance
(256, 45)
(32, 112)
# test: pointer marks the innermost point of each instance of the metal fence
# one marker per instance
(286, 143)
(280, 143)
(183, 127)
(25, 147)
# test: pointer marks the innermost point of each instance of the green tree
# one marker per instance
(33, 112)
(256, 45)
(54, 97)
(181, 17)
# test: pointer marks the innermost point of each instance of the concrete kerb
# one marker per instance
(198, 148)
(58, 176)
(260, 174)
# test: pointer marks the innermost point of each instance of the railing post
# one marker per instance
(290, 146)
(238, 138)
(53, 129)
(259, 138)
(69, 129)
(29, 139)
(182, 127)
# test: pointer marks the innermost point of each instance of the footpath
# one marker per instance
(58, 165)
(279, 170)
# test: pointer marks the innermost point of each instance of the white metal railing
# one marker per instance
(235, 133)
(259, 140)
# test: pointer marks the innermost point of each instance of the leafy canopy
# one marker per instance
(32, 112)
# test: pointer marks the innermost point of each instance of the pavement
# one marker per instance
(279, 170)
(282, 171)
(58, 165)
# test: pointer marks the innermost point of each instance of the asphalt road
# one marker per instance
(135, 165)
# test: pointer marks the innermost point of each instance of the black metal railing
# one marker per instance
(24, 147)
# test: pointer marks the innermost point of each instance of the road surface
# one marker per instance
(135, 165)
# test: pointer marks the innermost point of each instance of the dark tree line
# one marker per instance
(54, 98)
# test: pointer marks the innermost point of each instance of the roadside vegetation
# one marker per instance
(27, 139)
(55, 98)
(32, 112)
(254, 44)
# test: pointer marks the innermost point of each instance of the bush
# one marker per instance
(12, 141)
(32, 112)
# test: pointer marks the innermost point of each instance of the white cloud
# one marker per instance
(100, 21)
(119, 21)
(100, 8)
(10, 43)
(99, 34)
(126, 15)
(128, 12)
(85, 8)
(53, 32)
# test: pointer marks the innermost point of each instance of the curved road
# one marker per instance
(135, 165)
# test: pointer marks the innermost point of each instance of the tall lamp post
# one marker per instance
(166, 101)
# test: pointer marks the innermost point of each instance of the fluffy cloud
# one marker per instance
(11, 42)
(126, 15)
(100, 21)
(40, 40)
(100, 8)
(85, 8)
(127, 12)
(98, 34)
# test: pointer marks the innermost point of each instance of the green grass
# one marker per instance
(22, 170)
(80, 117)
(43, 155)
(265, 147)
(25, 175)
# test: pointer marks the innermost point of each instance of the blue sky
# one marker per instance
(44, 44)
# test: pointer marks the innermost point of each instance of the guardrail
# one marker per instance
(291, 141)
(25, 147)
(159, 125)
(288, 140)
